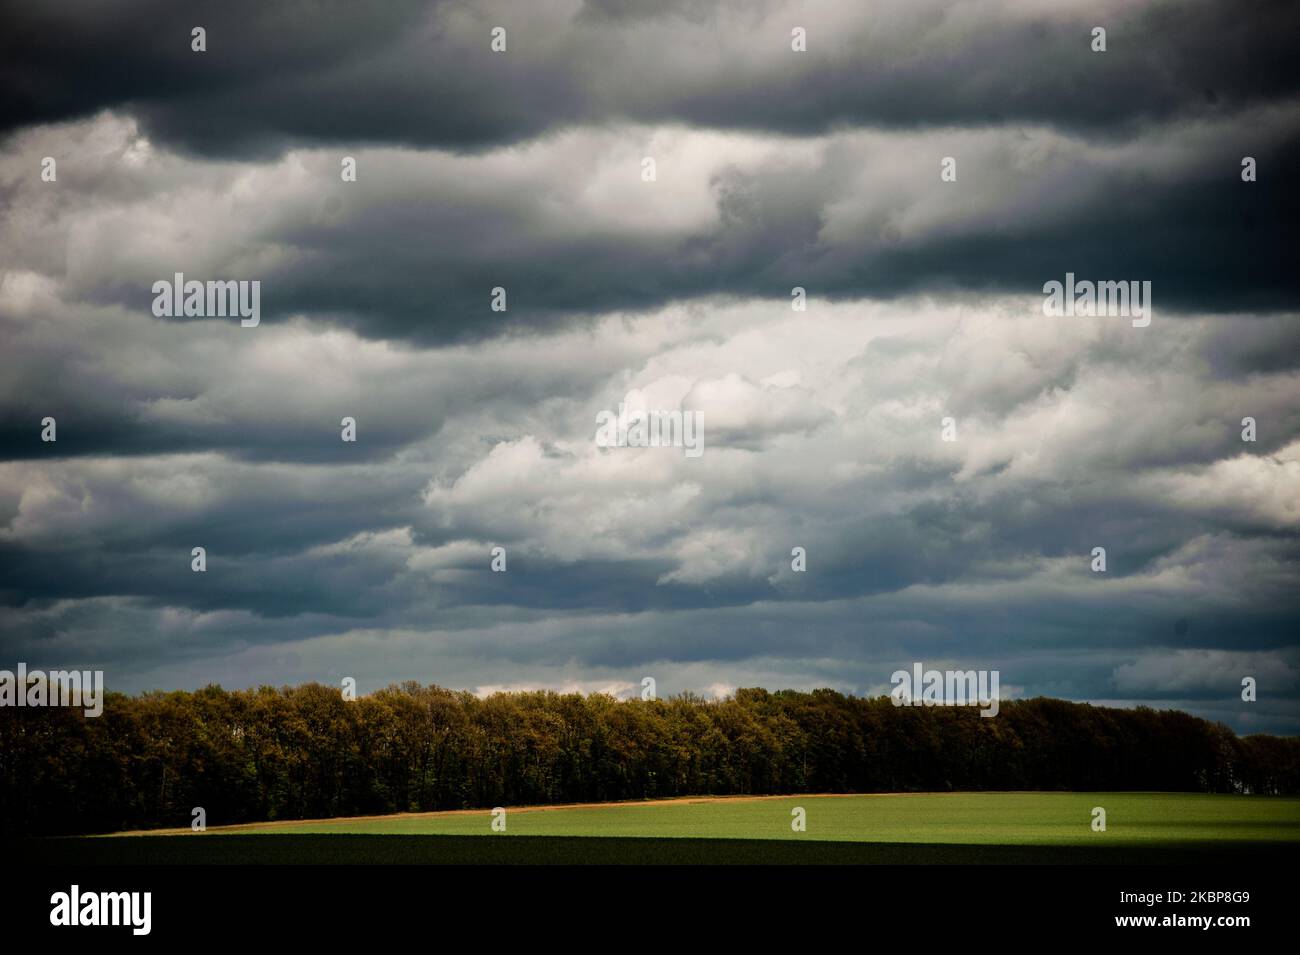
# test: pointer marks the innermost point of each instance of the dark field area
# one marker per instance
(275, 849)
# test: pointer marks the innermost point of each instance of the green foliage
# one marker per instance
(304, 752)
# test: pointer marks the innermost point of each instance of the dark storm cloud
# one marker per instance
(1204, 243)
(775, 169)
(423, 73)
(269, 533)
(413, 250)
(68, 58)
(91, 428)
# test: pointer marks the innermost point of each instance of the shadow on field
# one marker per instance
(352, 849)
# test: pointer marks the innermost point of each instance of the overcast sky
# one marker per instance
(523, 169)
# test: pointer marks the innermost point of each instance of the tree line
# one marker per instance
(305, 752)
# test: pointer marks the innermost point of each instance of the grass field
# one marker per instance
(924, 827)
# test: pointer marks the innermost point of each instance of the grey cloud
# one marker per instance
(413, 250)
(476, 428)
(424, 74)
(870, 492)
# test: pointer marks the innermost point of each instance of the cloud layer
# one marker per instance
(773, 170)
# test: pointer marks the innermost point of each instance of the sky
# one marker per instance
(524, 169)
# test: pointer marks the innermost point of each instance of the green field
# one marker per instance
(927, 827)
(969, 818)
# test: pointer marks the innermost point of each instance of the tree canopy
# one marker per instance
(305, 752)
